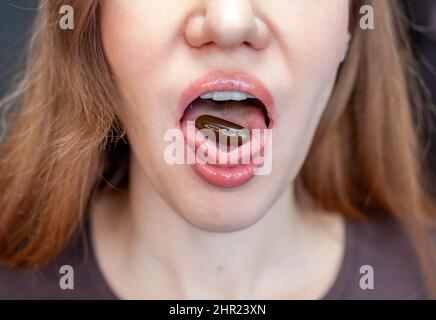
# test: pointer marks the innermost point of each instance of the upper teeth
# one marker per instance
(226, 95)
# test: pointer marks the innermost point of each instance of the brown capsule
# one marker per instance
(224, 130)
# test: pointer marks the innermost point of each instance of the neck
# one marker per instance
(190, 262)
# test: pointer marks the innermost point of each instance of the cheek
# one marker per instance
(313, 35)
(119, 34)
(135, 48)
(316, 50)
(134, 43)
(314, 46)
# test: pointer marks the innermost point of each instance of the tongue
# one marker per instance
(242, 113)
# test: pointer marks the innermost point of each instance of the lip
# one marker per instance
(225, 176)
(227, 81)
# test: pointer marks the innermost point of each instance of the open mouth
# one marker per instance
(236, 111)
(228, 114)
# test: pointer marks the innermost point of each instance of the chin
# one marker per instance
(223, 222)
(225, 211)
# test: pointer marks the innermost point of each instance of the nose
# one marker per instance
(227, 24)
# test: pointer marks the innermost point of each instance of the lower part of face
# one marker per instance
(157, 49)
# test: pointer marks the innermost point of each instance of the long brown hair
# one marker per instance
(365, 160)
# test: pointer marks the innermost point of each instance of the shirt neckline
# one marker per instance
(104, 290)
(346, 266)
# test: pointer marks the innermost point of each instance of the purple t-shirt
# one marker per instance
(378, 263)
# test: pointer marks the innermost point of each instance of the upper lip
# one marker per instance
(227, 81)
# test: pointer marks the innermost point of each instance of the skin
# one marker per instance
(171, 235)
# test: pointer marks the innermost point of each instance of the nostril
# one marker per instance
(208, 44)
(227, 24)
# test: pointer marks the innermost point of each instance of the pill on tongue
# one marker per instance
(224, 130)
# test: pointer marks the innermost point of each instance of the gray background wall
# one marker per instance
(16, 16)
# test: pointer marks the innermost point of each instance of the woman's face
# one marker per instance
(164, 54)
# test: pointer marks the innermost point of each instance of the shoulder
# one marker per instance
(72, 275)
(381, 262)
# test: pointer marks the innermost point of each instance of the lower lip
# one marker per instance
(222, 176)
(225, 176)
